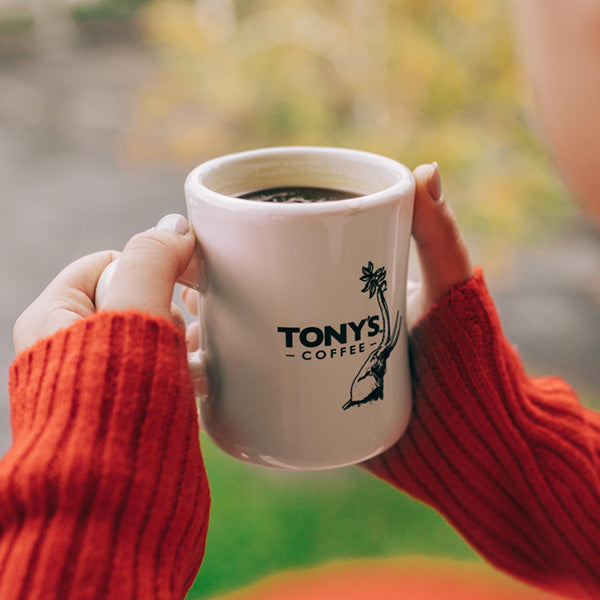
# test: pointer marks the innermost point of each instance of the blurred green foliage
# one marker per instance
(15, 20)
(418, 81)
(108, 9)
(264, 521)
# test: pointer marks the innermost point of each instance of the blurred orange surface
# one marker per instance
(397, 579)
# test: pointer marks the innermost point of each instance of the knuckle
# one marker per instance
(146, 240)
(149, 247)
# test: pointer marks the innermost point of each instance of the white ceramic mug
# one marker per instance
(302, 306)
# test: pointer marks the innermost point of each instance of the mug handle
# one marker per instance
(192, 277)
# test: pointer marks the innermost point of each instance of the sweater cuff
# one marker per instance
(466, 302)
(111, 354)
(463, 331)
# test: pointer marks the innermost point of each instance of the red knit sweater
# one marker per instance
(104, 495)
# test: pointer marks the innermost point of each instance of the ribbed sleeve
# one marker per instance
(512, 462)
(103, 493)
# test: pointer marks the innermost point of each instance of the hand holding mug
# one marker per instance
(143, 279)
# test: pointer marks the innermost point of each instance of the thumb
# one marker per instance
(442, 253)
(148, 268)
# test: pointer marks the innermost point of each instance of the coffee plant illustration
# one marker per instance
(368, 383)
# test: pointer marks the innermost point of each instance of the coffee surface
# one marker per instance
(298, 195)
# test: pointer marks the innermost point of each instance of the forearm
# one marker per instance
(103, 494)
(512, 462)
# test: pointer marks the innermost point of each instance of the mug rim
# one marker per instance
(196, 189)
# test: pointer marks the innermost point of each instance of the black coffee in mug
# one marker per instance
(298, 195)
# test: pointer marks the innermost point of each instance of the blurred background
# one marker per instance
(105, 106)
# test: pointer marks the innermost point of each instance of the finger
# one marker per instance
(81, 276)
(190, 300)
(177, 316)
(149, 266)
(443, 255)
(193, 336)
(67, 298)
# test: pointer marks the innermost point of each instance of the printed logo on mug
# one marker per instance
(316, 343)
(302, 304)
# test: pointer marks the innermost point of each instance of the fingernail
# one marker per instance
(434, 184)
(173, 223)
